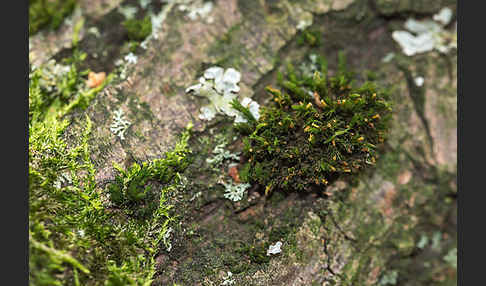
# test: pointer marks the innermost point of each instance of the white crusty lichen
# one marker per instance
(303, 24)
(197, 9)
(310, 68)
(235, 192)
(157, 19)
(221, 154)
(423, 241)
(451, 257)
(388, 57)
(120, 124)
(304, 18)
(95, 31)
(144, 3)
(124, 63)
(389, 278)
(419, 81)
(427, 35)
(274, 248)
(220, 86)
(252, 105)
(444, 16)
(51, 73)
(166, 239)
(127, 11)
(131, 58)
(63, 179)
(228, 280)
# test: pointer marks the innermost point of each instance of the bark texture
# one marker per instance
(398, 221)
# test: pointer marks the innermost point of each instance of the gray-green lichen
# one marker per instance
(221, 154)
(197, 9)
(451, 257)
(274, 248)
(427, 35)
(235, 192)
(220, 87)
(120, 124)
(390, 278)
(127, 11)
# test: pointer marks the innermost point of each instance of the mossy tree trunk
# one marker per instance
(398, 220)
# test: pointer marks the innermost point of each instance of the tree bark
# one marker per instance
(361, 234)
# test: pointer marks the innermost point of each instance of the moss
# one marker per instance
(292, 248)
(309, 37)
(390, 164)
(75, 237)
(317, 129)
(244, 173)
(228, 37)
(56, 93)
(132, 189)
(45, 13)
(256, 253)
(138, 30)
(140, 108)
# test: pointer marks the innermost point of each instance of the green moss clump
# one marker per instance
(256, 253)
(56, 89)
(76, 237)
(318, 128)
(309, 37)
(132, 189)
(138, 30)
(43, 13)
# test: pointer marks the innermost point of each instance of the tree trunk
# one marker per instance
(395, 225)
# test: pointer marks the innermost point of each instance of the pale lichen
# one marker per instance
(303, 24)
(419, 81)
(310, 68)
(388, 57)
(451, 257)
(130, 58)
(120, 124)
(274, 248)
(124, 63)
(63, 179)
(427, 35)
(157, 20)
(144, 3)
(221, 154)
(304, 18)
(423, 241)
(254, 108)
(51, 73)
(95, 31)
(166, 239)
(220, 87)
(235, 192)
(390, 278)
(227, 280)
(444, 16)
(127, 11)
(197, 9)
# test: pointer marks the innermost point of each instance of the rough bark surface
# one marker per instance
(355, 235)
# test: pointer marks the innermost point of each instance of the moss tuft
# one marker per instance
(309, 37)
(318, 127)
(76, 237)
(133, 188)
(138, 30)
(45, 13)
(256, 253)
